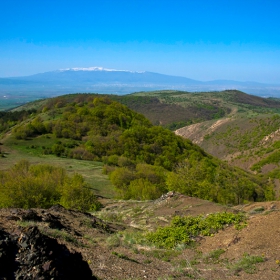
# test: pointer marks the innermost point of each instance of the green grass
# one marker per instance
(164, 255)
(247, 263)
(127, 238)
(113, 241)
(90, 170)
(122, 256)
(214, 256)
(55, 233)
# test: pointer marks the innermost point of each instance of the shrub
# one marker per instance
(184, 229)
(30, 186)
(142, 189)
(143, 182)
(75, 195)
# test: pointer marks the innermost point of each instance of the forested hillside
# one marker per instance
(143, 161)
(175, 109)
(236, 127)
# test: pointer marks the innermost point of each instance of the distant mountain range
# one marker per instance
(102, 80)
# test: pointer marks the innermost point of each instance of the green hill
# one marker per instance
(236, 127)
(143, 161)
(175, 109)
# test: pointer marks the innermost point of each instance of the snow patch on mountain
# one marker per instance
(97, 69)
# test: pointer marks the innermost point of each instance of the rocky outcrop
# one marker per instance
(28, 254)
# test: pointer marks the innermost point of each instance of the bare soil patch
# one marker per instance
(107, 244)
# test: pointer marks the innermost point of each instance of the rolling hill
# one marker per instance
(236, 127)
(172, 234)
(143, 161)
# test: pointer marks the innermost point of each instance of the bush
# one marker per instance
(184, 229)
(76, 195)
(143, 182)
(142, 189)
(31, 186)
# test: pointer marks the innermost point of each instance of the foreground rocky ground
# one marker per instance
(57, 243)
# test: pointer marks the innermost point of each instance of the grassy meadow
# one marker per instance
(31, 150)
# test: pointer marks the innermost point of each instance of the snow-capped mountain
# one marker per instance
(97, 69)
(104, 80)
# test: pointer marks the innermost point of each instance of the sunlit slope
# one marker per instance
(231, 125)
(143, 161)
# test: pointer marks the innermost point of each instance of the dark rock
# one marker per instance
(31, 215)
(53, 221)
(35, 256)
(13, 218)
(8, 250)
(57, 208)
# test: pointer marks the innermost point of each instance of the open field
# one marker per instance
(90, 170)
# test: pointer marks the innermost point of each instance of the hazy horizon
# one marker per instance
(202, 40)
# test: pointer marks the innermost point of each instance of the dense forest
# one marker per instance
(9, 119)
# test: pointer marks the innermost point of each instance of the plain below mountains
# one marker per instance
(101, 80)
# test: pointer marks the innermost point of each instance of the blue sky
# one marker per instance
(203, 40)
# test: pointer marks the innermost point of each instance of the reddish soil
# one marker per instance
(105, 250)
